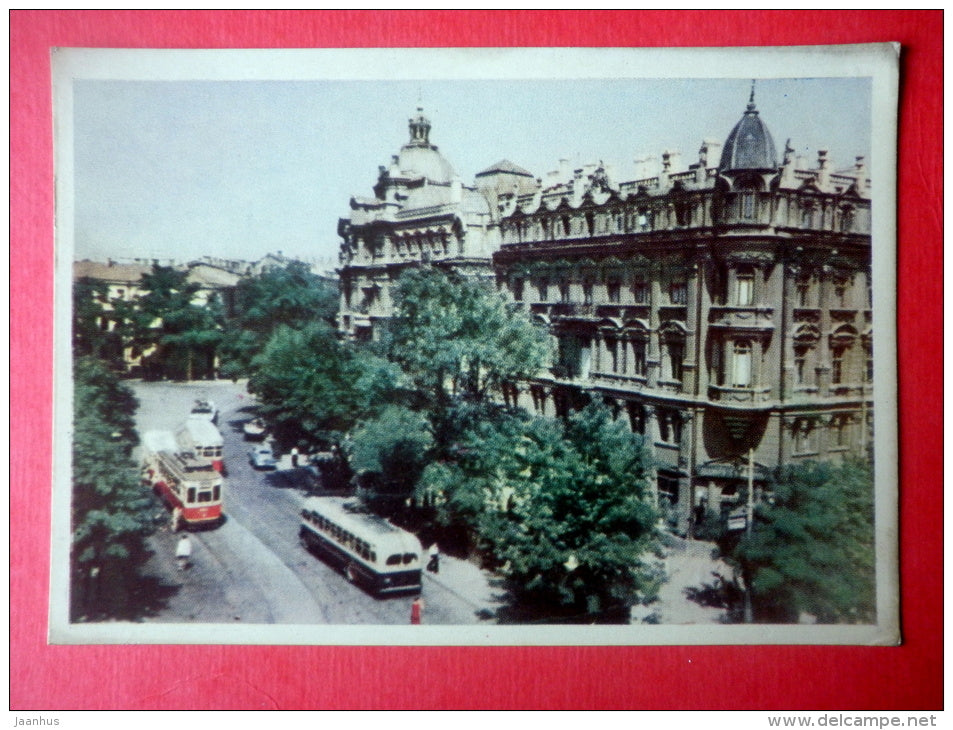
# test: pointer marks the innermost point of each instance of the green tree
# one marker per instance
(565, 510)
(811, 549)
(290, 295)
(99, 326)
(314, 388)
(184, 331)
(455, 336)
(111, 512)
(389, 453)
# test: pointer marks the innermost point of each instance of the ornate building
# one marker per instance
(421, 213)
(723, 311)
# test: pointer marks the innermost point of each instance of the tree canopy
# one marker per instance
(111, 512)
(184, 331)
(287, 295)
(314, 388)
(454, 335)
(811, 549)
(566, 511)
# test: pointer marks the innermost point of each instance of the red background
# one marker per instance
(239, 677)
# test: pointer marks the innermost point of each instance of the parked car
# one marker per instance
(205, 409)
(255, 429)
(262, 457)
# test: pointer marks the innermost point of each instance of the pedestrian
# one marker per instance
(433, 564)
(183, 552)
(294, 457)
(416, 610)
(176, 519)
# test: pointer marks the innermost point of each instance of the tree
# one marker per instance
(389, 454)
(565, 510)
(811, 548)
(111, 512)
(314, 388)
(184, 331)
(289, 295)
(455, 336)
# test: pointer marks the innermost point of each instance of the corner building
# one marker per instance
(723, 310)
(421, 214)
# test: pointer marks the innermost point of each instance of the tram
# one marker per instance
(201, 438)
(372, 552)
(183, 481)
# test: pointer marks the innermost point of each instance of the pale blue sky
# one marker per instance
(182, 169)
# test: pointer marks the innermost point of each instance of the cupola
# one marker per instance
(749, 146)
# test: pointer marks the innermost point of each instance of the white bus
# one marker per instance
(372, 552)
(202, 438)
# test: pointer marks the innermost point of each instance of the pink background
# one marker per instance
(237, 677)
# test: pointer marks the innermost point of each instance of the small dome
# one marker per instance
(749, 146)
(420, 158)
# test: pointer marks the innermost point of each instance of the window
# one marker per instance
(839, 432)
(846, 219)
(741, 365)
(644, 219)
(670, 427)
(676, 357)
(801, 289)
(640, 292)
(807, 216)
(564, 292)
(636, 417)
(678, 293)
(840, 293)
(747, 204)
(590, 223)
(518, 289)
(837, 365)
(567, 225)
(869, 363)
(612, 345)
(800, 364)
(804, 438)
(745, 289)
(638, 356)
(587, 293)
(543, 287)
(614, 290)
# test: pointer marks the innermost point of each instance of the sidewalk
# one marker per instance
(468, 582)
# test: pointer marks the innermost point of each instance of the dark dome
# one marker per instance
(749, 146)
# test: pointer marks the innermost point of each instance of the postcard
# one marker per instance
(485, 346)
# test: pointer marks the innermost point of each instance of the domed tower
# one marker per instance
(748, 158)
(420, 158)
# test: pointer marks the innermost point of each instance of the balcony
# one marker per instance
(745, 319)
(759, 395)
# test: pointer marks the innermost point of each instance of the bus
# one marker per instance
(184, 482)
(202, 438)
(373, 553)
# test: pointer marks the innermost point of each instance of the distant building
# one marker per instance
(421, 212)
(718, 309)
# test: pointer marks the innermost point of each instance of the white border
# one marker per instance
(878, 61)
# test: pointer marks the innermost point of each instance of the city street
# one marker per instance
(252, 569)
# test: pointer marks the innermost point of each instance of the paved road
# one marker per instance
(252, 568)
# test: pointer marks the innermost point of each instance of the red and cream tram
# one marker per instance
(371, 551)
(184, 481)
(203, 439)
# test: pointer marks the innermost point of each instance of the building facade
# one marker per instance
(421, 213)
(724, 310)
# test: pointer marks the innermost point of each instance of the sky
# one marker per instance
(238, 169)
